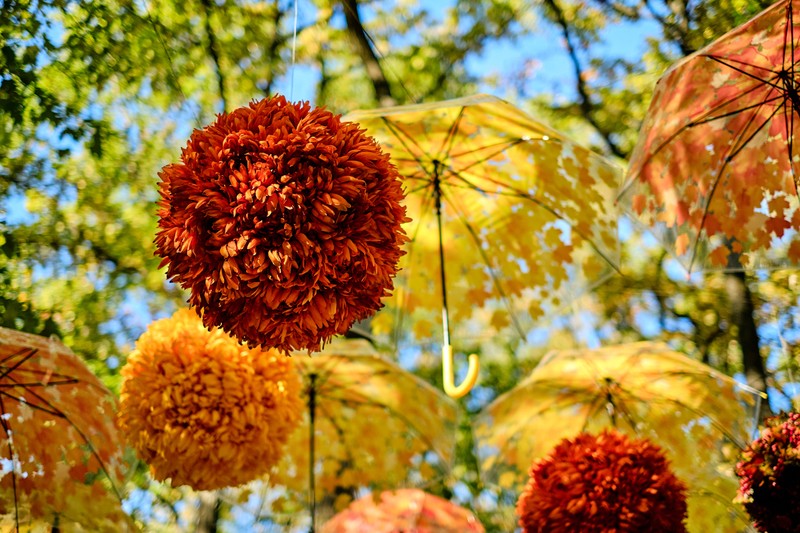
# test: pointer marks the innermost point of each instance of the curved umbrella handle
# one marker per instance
(449, 379)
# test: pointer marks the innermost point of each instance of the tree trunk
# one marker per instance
(742, 314)
(208, 511)
(355, 28)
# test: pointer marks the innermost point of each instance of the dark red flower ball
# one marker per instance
(769, 476)
(603, 483)
(284, 223)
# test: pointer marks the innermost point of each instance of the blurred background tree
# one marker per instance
(96, 96)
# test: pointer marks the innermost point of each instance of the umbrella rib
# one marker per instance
(549, 209)
(568, 384)
(426, 207)
(739, 147)
(617, 406)
(35, 372)
(501, 147)
(450, 138)
(627, 414)
(13, 459)
(426, 182)
(324, 369)
(6, 370)
(789, 123)
(702, 118)
(594, 408)
(787, 30)
(26, 385)
(672, 401)
(732, 64)
(57, 412)
(495, 279)
(708, 119)
(350, 385)
(67, 380)
(358, 399)
(567, 393)
(371, 403)
(339, 431)
(788, 44)
(697, 412)
(723, 500)
(402, 136)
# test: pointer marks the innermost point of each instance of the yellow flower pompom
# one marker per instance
(203, 410)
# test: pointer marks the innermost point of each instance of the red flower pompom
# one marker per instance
(769, 476)
(284, 223)
(603, 483)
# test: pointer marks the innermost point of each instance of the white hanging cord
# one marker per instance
(294, 54)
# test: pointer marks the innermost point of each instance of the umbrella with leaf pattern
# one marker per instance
(509, 220)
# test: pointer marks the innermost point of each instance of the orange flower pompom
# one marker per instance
(603, 483)
(284, 222)
(202, 409)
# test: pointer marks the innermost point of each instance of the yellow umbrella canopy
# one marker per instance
(369, 424)
(519, 215)
(60, 452)
(700, 417)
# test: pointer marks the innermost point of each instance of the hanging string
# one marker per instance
(294, 55)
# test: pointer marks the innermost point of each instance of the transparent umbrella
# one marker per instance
(700, 417)
(370, 425)
(509, 220)
(716, 167)
(60, 452)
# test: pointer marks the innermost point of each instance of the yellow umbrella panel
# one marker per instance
(370, 424)
(509, 219)
(700, 417)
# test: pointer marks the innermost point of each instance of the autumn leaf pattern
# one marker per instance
(696, 414)
(716, 167)
(528, 216)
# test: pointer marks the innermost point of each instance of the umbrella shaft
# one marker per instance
(437, 197)
(312, 407)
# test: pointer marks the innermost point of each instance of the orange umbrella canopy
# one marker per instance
(60, 453)
(716, 167)
(403, 510)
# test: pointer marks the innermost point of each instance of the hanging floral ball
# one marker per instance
(769, 476)
(601, 483)
(203, 410)
(284, 223)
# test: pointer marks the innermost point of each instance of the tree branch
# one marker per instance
(586, 105)
(629, 12)
(742, 314)
(214, 52)
(274, 45)
(383, 92)
(678, 32)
